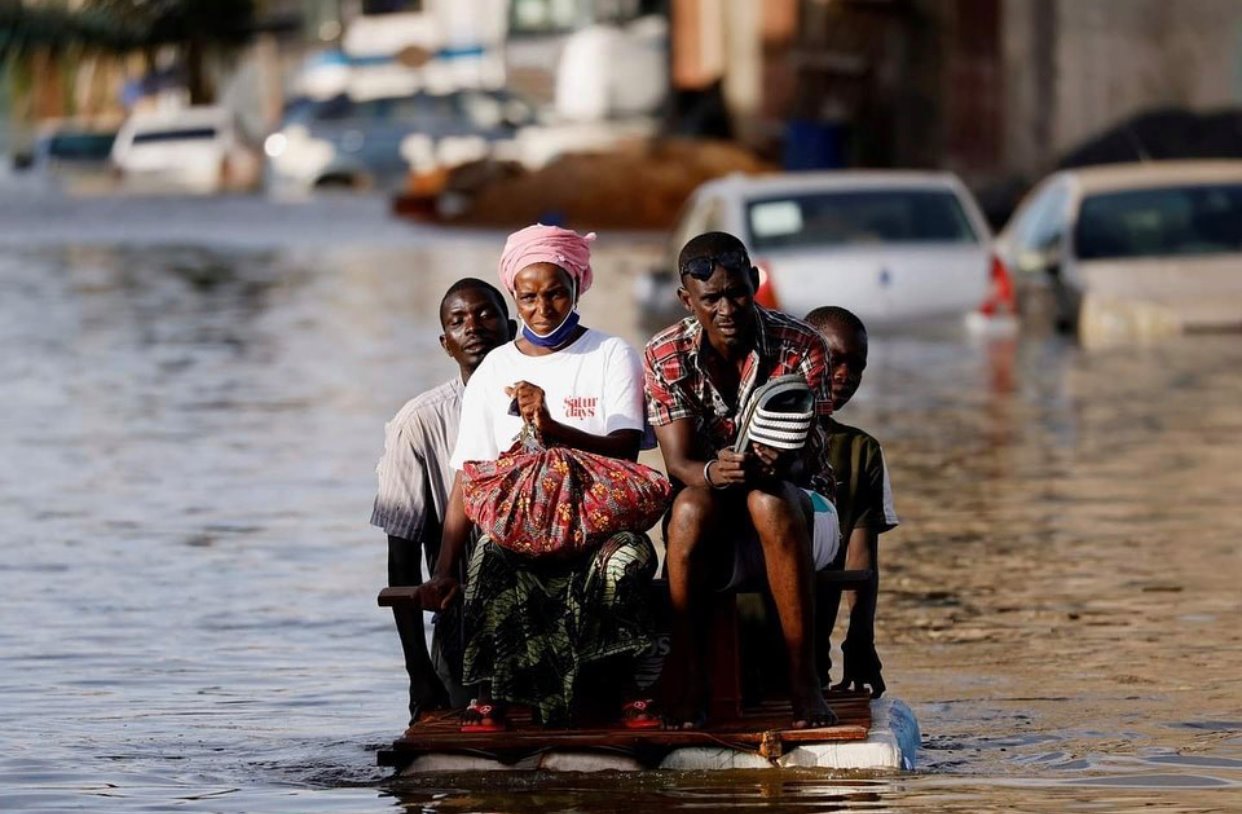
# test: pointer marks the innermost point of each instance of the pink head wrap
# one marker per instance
(548, 244)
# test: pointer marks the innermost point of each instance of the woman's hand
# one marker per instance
(531, 404)
(438, 593)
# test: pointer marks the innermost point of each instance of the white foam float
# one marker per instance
(891, 745)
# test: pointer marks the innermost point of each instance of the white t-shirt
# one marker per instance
(594, 385)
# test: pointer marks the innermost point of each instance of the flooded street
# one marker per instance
(194, 400)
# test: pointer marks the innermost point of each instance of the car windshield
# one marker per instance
(1160, 222)
(179, 134)
(851, 217)
(380, 109)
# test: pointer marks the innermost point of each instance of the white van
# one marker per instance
(195, 150)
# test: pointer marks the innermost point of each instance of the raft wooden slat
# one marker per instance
(765, 726)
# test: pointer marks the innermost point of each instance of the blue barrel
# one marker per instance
(814, 145)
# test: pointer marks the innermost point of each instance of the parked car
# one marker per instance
(1167, 235)
(75, 155)
(375, 143)
(894, 247)
(195, 149)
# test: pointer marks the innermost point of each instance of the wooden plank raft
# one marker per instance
(763, 729)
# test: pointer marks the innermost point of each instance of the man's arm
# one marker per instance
(862, 665)
(677, 445)
(405, 568)
(404, 561)
(618, 444)
(860, 555)
(670, 411)
(443, 588)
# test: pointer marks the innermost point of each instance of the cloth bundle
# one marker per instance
(558, 501)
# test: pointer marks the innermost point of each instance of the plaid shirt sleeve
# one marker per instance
(816, 367)
(666, 399)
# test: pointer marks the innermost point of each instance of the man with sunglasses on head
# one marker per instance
(738, 515)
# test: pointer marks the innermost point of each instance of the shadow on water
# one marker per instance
(186, 470)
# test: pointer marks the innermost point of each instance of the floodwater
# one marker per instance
(193, 401)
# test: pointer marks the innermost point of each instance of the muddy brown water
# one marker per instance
(194, 394)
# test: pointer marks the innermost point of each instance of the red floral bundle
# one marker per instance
(560, 501)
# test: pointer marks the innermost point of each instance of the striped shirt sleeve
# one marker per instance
(413, 473)
(402, 501)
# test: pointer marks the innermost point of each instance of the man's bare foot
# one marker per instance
(814, 719)
(685, 715)
(810, 710)
(683, 693)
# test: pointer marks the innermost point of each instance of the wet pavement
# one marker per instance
(194, 396)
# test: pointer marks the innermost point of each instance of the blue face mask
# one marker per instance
(559, 335)
(555, 339)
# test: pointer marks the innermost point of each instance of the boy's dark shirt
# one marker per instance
(858, 465)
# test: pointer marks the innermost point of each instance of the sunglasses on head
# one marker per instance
(700, 268)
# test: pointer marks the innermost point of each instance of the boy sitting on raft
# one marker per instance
(864, 505)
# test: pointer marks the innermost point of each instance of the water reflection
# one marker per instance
(732, 791)
(793, 791)
(186, 454)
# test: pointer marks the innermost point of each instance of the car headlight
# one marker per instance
(275, 144)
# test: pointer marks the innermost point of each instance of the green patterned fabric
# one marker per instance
(531, 626)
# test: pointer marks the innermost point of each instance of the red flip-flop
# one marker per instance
(637, 714)
(483, 718)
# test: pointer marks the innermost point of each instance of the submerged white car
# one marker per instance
(195, 149)
(1161, 239)
(896, 248)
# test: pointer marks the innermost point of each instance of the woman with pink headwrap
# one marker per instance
(536, 632)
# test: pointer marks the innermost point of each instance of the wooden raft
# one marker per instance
(763, 730)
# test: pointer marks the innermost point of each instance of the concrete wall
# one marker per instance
(1074, 68)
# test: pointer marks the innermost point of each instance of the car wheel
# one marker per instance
(1069, 313)
(338, 182)
(1067, 304)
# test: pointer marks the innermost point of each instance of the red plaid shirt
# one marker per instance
(678, 387)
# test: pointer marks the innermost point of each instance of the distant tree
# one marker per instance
(197, 28)
(25, 29)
